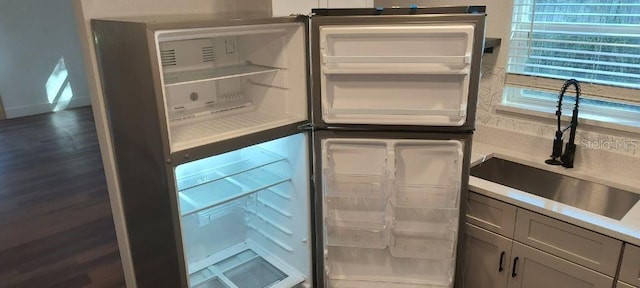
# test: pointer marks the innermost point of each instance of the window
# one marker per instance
(593, 41)
(533, 101)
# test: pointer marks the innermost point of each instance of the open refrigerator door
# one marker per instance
(390, 211)
(395, 74)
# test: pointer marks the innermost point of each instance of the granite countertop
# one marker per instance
(627, 229)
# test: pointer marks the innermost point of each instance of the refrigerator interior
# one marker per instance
(411, 74)
(224, 82)
(245, 216)
(390, 211)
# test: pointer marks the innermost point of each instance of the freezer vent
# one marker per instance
(208, 54)
(168, 57)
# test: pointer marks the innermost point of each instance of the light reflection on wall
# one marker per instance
(58, 87)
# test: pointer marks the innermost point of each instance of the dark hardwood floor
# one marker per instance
(56, 228)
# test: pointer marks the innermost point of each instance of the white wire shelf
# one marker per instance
(194, 76)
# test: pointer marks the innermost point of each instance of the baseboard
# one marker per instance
(21, 111)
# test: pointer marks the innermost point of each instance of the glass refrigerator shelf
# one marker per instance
(227, 189)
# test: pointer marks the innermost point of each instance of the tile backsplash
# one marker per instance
(597, 146)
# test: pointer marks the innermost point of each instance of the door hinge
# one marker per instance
(307, 127)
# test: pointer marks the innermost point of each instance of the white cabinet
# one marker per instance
(493, 261)
(544, 252)
(532, 268)
(486, 260)
(630, 269)
(578, 245)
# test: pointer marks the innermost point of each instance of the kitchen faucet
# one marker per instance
(566, 159)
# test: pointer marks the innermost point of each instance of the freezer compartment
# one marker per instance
(253, 199)
(395, 74)
(424, 233)
(224, 82)
(361, 267)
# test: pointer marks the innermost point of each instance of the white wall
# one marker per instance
(85, 10)
(34, 36)
(288, 7)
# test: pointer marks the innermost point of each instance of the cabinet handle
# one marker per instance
(515, 267)
(501, 267)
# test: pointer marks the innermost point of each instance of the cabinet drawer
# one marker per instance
(564, 240)
(490, 214)
(630, 269)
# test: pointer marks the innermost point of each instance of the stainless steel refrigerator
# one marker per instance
(322, 151)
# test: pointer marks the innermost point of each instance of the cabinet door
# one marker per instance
(532, 268)
(486, 259)
(581, 246)
(630, 269)
(490, 214)
(624, 285)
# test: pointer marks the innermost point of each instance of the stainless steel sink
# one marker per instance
(582, 194)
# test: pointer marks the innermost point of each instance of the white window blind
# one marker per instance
(594, 41)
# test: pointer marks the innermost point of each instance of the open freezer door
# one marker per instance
(388, 208)
(393, 70)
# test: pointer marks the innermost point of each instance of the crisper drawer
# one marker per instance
(570, 242)
(396, 74)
